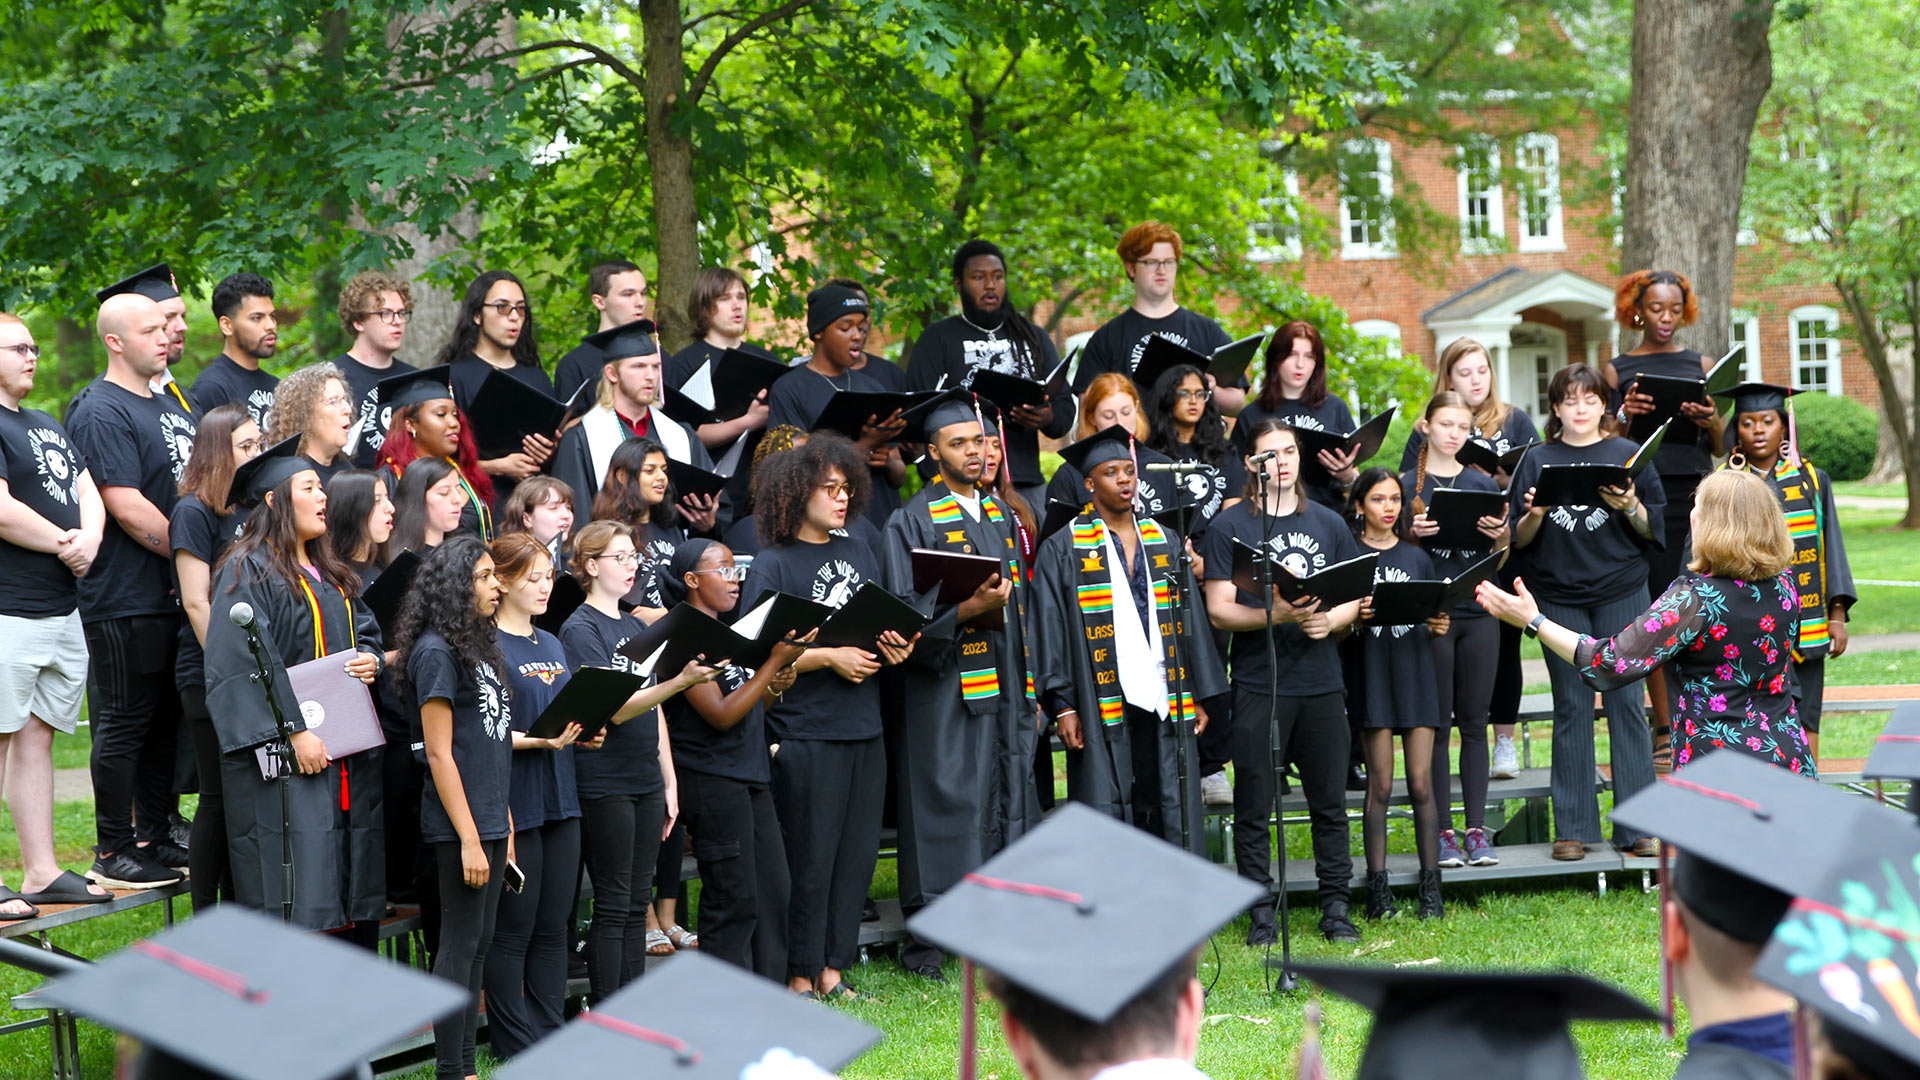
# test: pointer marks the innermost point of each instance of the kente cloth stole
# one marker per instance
(1097, 591)
(979, 649)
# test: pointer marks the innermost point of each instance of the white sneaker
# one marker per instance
(1214, 789)
(1506, 761)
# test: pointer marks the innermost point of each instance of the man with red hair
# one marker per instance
(1150, 255)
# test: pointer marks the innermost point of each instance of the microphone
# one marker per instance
(241, 614)
(1173, 466)
(1264, 456)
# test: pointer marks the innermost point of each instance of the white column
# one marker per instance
(1502, 372)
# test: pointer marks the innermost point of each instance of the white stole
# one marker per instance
(605, 432)
(1137, 651)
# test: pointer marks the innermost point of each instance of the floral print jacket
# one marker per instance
(1729, 643)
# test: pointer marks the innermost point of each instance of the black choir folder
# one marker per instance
(953, 577)
(1669, 392)
(1013, 391)
(1226, 364)
(694, 480)
(686, 632)
(1365, 439)
(591, 698)
(1580, 484)
(723, 390)
(1335, 585)
(384, 595)
(334, 705)
(871, 612)
(848, 411)
(1458, 512)
(505, 411)
(1402, 603)
(1481, 454)
(565, 599)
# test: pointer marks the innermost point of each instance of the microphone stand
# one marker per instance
(1286, 982)
(282, 753)
(1183, 720)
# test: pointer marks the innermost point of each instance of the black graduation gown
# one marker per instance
(965, 776)
(1102, 774)
(339, 858)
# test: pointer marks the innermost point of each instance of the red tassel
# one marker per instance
(346, 800)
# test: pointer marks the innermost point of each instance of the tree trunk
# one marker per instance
(670, 165)
(1700, 71)
(1874, 345)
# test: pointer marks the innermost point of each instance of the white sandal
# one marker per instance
(683, 938)
(659, 944)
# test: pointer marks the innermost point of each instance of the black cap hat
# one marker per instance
(1732, 815)
(1112, 444)
(954, 406)
(1756, 397)
(1059, 912)
(237, 995)
(693, 1018)
(1896, 752)
(413, 387)
(1492, 1025)
(154, 283)
(628, 339)
(828, 304)
(273, 467)
(1851, 952)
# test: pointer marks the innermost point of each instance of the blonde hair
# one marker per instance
(1741, 531)
(1103, 387)
(1491, 414)
(295, 399)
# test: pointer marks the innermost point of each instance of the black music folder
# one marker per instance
(389, 588)
(775, 617)
(1458, 512)
(694, 480)
(1226, 364)
(590, 698)
(1481, 454)
(848, 411)
(1013, 391)
(871, 612)
(1332, 586)
(565, 599)
(952, 577)
(1580, 484)
(1405, 603)
(1365, 439)
(1670, 392)
(505, 411)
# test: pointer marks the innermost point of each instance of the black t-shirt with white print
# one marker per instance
(140, 442)
(1584, 556)
(195, 529)
(482, 737)
(628, 763)
(1305, 542)
(1450, 563)
(42, 469)
(655, 544)
(371, 419)
(1117, 345)
(821, 704)
(225, 382)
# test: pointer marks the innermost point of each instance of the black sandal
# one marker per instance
(842, 992)
(68, 888)
(8, 896)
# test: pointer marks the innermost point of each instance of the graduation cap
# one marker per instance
(1059, 913)
(1896, 751)
(693, 1018)
(237, 995)
(413, 387)
(627, 339)
(1492, 1025)
(1851, 953)
(154, 283)
(1756, 397)
(1114, 443)
(955, 406)
(268, 470)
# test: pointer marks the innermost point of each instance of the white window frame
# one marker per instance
(1384, 247)
(1495, 239)
(1280, 215)
(1549, 180)
(1749, 325)
(1381, 329)
(1829, 338)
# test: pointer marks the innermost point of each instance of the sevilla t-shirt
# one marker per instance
(542, 788)
(1305, 542)
(821, 704)
(42, 469)
(482, 737)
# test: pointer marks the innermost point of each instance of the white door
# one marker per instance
(1538, 351)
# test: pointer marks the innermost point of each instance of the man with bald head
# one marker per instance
(135, 442)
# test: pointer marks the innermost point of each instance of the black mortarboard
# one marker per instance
(413, 387)
(237, 995)
(271, 468)
(693, 1018)
(1112, 444)
(1851, 952)
(628, 339)
(154, 283)
(1494, 1025)
(1058, 913)
(1896, 751)
(1757, 397)
(955, 406)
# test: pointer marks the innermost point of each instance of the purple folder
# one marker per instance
(335, 705)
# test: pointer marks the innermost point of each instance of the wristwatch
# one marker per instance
(1533, 625)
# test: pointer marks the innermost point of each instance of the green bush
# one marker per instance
(1396, 440)
(1837, 433)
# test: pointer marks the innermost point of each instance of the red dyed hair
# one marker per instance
(399, 451)
(1633, 288)
(1137, 241)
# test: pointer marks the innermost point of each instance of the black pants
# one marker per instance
(526, 976)
(620, 842)
(668, 866)
(135, 713)
(466, 929)
(1465, 692)
(1810, 677)
(828, 796)
(209, 875)
(1216, 743)
(1509, 678)
(743, 871)
(1313, 735)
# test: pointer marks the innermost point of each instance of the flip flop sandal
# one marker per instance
(1662, 751)
(808, 995)
(842, 992)
(68, 888)
(682, 937)
(658, 944)
(7, 896)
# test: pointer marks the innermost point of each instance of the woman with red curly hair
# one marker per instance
(1658, 303)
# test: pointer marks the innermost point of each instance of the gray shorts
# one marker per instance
(43, 671)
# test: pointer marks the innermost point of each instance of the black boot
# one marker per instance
(1334, 924)
(1380, 896)
(1431, 906)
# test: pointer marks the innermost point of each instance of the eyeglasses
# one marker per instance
(392, 317)
(1192, 395)
(1156, 264)
(27, 352)
(337, 401)
(502, 308)
(837, 488)
(625, 558)
(727, 573)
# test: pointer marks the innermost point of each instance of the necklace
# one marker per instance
(830, 381)
(992, 335)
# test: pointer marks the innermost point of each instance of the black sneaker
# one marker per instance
(125, 870)
(164, 853)
(180, 832)
(1264, 931)
(1336, 927)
